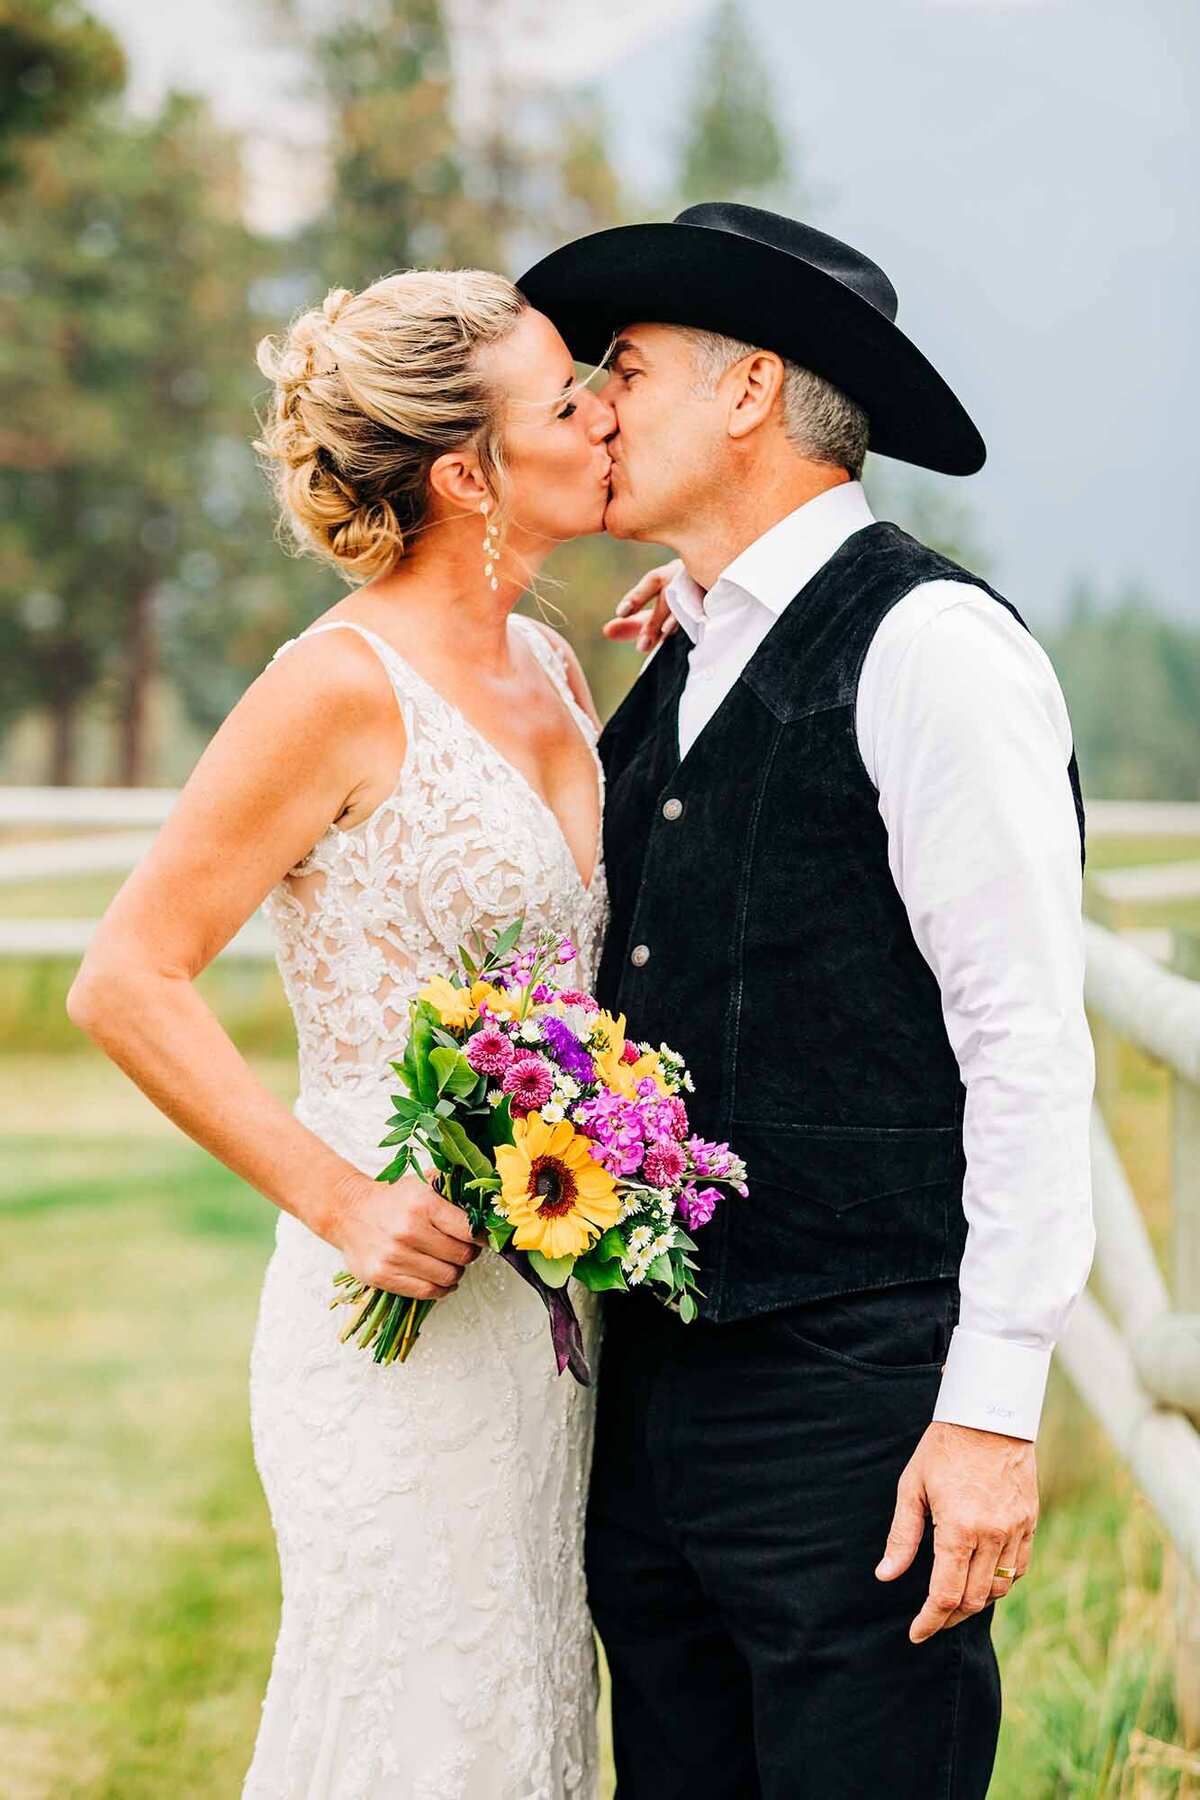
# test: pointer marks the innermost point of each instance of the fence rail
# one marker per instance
(1137, 1364)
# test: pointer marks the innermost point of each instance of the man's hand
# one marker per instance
(643, 612)
(980, 1489)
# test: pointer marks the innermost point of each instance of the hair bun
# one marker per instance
(367, 398)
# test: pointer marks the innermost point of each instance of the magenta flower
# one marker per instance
(630, 1053)
(665, 1163)
(529, 1083)
(698, 1205)
(709, 1158)
(489, 1051)
(566, 951)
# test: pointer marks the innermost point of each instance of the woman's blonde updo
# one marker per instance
(370, 389)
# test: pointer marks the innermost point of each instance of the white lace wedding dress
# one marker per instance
(434, 1642)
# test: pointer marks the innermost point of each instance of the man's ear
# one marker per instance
(455, 478)
(757, 381)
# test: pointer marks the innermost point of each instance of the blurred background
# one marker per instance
(173, 185)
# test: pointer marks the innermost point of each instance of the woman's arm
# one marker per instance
(287, 763)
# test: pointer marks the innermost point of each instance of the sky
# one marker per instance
(1026, 171)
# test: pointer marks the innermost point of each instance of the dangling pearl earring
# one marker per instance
(491, 545)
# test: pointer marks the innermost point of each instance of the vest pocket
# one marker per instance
(844, 1166)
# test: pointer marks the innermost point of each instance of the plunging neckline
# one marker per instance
(570, 705)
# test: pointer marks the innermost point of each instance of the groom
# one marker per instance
(844, 846)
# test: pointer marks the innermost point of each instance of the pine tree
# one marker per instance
(734, 149)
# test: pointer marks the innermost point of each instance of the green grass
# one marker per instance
(138, 1584)
(138, 1590)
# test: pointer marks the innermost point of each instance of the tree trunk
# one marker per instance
(64, 739)
(139, 669)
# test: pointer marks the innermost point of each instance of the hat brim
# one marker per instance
(723, 281)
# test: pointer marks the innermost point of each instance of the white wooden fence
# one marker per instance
(1132, 1348)
(1135, 1359)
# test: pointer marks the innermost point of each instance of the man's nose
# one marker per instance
(604, 421)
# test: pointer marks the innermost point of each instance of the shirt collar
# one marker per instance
(774, 568)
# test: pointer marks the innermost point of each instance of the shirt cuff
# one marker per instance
(992, 1384)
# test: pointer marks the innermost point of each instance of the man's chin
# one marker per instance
(615, 523)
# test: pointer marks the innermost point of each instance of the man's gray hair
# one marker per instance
(818, 419)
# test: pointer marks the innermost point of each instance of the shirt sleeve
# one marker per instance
(964, 730)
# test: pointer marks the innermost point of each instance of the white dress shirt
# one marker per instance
(964, 731)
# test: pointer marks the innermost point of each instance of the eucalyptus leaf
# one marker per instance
(687, 1308)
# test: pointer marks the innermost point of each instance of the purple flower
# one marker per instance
(566, 951)
(489, 1051)
(615, 1129)
(665, 1163)
(709, 1158)
(529, 1081)
(698, 1205)
(567, 1050)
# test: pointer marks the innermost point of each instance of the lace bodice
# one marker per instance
(462, 841)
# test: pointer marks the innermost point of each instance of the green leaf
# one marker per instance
(500, 1125)
(499, 1233)
(661, 1270)
(461, 1150)
(506, 941)
(554, 1272)
(610, 1245)
(468, 962)
(599, 1276)
(420, 1043)
(401, 1135)
(687, 1308)
(397, 1167)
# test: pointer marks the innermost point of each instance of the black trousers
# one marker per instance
(742, 1488)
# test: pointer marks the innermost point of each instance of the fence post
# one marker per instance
(1185, 1293)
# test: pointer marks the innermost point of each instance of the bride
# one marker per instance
(418, 762)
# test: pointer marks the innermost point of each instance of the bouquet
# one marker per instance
(560, 1137)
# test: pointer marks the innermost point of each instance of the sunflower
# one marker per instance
(555, 1193)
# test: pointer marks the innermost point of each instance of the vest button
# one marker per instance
(640, 955)
(672, 809)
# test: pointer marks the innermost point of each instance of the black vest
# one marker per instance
(756, 928)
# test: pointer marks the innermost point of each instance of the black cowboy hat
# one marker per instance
(772, 282)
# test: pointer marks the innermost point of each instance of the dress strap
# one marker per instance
(404, 681)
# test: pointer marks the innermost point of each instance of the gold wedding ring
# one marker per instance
(1006, 1574)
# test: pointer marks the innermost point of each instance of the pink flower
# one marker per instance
(574, 997)
(489, 1051)
(677, 1113)
(529, 1081)
(566, 951)
(664, 1164)
(630, 1053)
(698, 1205)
